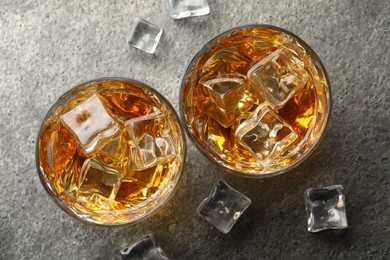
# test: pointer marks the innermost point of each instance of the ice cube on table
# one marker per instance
(99, 182)
(90, 122)
(223, 206)
(145, 35)
(188, 8)
(151, 140)
(144, 249)
(278, 76)
(325, 208)
(265, 134)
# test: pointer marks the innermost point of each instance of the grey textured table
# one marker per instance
(46, 47)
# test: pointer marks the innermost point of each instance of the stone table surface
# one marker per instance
(46, 47)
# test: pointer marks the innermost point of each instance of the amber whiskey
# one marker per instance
(110, 151)
(256, 100)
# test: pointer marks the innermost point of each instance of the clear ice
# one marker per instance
(90, 122)
(325, 208)
(278, 76)
(265, 134)
(151, 141)
(145, 36)
(144, 249)
(188, 8)
(223, 206)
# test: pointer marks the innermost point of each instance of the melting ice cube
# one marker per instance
(90, 122)
(188, 8)
(265, 134)
(223, 207)
(145, 36)
(146, 249)
(151, 140)
(278, 76)
(325, 208)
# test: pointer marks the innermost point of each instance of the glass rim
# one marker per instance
(202, 148)
(62, 204)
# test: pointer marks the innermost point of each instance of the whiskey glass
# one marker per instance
(110, 151)
(255, 100)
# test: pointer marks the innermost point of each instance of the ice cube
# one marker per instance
(265, 134)
(149, 177)
(325, 208)
(144, 249)
(224, 118)
(145, 36)
(278, 76)
(188, 8)
(151, 140)
(112, 147)
(131, 192)
(223, 207)
(90, 122)
(98, 181)
(226, 93)
(226, 90)
(113, 151)
(227, 60)
(256, 48)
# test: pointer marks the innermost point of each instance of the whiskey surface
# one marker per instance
(256, 100)
(111, 150)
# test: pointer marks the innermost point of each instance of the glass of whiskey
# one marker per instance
(255, 100)
(111, 151)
